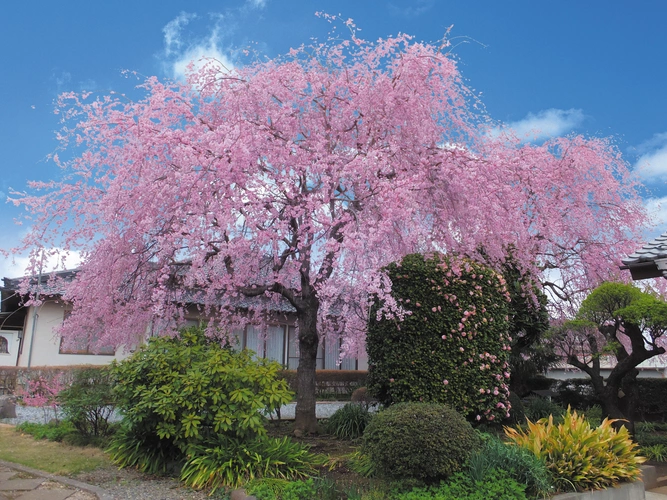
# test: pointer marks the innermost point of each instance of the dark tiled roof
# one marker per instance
(655, 249)
(50, 287)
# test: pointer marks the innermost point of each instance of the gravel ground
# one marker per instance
(128, 484)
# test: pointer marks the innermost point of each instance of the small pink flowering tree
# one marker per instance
(451, 344)
(42, 392)
(295, 181)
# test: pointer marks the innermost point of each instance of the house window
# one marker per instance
(83, 346)
(4, 345)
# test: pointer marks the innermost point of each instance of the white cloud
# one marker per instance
(173, 31)
(182, 48)
(657, 209)
(547, 123)
(257, 4)
(652, 162)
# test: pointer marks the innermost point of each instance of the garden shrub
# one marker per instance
(232, 462)
(497, 485)
(578, 455)
(88, 402)
(452, 344)
(349, 421)
(424, 441)
(576, 393)
(187, 391)
(537, 407)
(655, 452)
(517, 410)
(594, 415)
(519, 464)
(652, 401)
(53, 431)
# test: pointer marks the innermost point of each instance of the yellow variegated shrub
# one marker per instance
(580, 456)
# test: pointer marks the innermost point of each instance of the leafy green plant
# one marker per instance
(537, 407)
(424, 441)
(645, 427)
(650, 438)
(187, 391)
(55, 431)
(280, 489)
(517, 411)
(656, 452)
(361, 463)
(594, 415)
(349, 421)
(232, 462)
(579, 455)
(497, 485)
(519, 464)
(451, 346)
(88, 402)
(145, 452)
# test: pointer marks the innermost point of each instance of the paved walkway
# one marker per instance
(18, 482)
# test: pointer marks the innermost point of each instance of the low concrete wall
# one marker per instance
(625, 491)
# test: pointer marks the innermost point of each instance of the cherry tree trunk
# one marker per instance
(306, 421)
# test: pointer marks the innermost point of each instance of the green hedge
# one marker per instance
(451, 345)
(579, 394)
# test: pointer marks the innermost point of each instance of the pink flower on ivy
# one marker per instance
(446, 382)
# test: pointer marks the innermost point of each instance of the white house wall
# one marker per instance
(13, 343)
(47, 344)
(279, 344)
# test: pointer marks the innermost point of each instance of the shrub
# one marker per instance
(537, 407)
(519, 464)
(594, 415)
(54, 431)
(656, 452)
(349, 421)
(425, 441)
(452, 344)
(497, 485)
(88, 402)
(577, 393)
(517, 410)
(232, 462)
(188, 390)
(579, 455)
(650, 438)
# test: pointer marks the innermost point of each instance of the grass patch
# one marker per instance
(56, 458)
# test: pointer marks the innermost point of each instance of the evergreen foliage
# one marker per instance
(424, 441)
(451, 346)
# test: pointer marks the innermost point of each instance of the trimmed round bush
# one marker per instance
(424, 441)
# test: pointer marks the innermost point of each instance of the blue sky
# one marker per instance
(595, 67)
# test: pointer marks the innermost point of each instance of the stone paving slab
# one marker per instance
(6, 475)
(52, 487)
(20, 484)
(47, 494)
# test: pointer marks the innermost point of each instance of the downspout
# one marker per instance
(34, 312)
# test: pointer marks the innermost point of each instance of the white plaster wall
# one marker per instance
(46, 344)
(13, 342)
